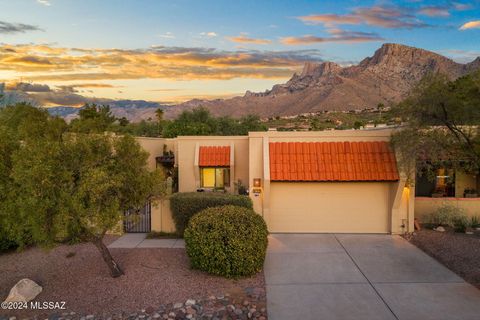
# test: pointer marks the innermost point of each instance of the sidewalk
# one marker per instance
(138, 240)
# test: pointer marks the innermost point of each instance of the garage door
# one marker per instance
(340, 207)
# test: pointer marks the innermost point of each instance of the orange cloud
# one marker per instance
(244, 39)
(471, 25)
(43, 63)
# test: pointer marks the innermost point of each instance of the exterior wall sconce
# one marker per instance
(257, 186)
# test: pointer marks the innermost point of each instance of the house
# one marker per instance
(327, 181)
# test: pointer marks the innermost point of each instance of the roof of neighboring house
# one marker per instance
(214, 156)
(332, 161)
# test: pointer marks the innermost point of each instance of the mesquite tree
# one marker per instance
(72, 185)
(443, 119)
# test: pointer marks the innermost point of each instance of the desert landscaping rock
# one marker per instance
(24, 290)
(458, 252)
(242, 304)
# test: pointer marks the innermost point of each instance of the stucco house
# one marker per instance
(326, 181)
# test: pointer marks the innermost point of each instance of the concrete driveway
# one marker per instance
(343, 276)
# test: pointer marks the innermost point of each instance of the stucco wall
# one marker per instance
(154, 147)
(162, 216)
(425, 206)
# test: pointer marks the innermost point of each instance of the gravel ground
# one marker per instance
(153, 277)
(458, 252)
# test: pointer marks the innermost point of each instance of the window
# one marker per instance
(215, 178)
(442, 184)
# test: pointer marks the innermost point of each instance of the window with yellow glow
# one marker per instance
(215, 178)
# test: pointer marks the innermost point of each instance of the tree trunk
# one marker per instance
(115, 270)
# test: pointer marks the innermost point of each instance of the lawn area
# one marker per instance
(152, 277)
(457, 251)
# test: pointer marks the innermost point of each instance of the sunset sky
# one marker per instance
(64, 52)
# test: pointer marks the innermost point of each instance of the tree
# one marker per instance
(159, 114)
(71, 185)
(93, 118)
(443, 118)
(200, 122)
(123, 121)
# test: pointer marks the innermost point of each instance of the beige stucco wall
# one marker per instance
(425, 206)
(188, 173)
(162, 216)
(154, 147)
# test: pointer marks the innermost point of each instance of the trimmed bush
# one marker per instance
(185, 205)
(447, 216)
(230, 241)
(6, 243)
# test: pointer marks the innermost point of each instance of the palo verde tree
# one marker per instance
(72, 185)
(443, 119)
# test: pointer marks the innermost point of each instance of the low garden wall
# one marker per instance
(425, 205)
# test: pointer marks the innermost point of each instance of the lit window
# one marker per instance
(215, 178)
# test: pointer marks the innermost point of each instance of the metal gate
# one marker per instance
(140, 222)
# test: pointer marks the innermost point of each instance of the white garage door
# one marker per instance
(340, 207)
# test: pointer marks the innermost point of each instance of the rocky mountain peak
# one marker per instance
(316, 70)
(390, 53)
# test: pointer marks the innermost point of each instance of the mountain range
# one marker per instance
(387, 77)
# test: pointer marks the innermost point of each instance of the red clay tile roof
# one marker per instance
(332, 161)
(214, 157)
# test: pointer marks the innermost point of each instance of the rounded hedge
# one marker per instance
(185, 205)
(230, 241)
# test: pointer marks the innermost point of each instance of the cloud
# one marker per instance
(94, 85)
(462, 56)
(435, 11)
(28, 87)
(380, 16)
(210, 34)
(471, 25)
(167, 35)
(9, 28)
(51, 63)
(244, 39)
(337, 35)
(44, 2)
(166, 90)
(461, 6)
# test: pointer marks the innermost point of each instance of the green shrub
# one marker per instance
(230, 241)
(6, 243)
(475, 222)
(447, 215)
(185, 205)
(462, 222)
(15, 239)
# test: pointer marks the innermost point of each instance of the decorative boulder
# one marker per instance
(439, 229)
(24, 291)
